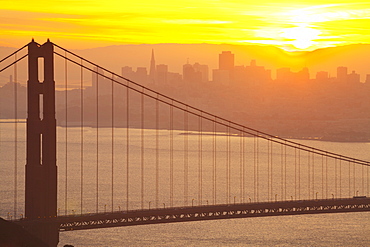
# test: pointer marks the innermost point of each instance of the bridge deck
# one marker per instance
(197, 213)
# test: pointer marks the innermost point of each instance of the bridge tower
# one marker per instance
(41, 168)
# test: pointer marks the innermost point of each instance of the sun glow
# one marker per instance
(302, 37)
(304, 34)
(302, 25)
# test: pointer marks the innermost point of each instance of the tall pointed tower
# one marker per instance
(152, 72)
(41, 168)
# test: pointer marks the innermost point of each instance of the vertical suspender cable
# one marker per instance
(349, 179)
(230, 158)
(254, 166)
(200, 159)
(112, 134)
(257, 168)
(228, 163)
(299, 172)
(313, 173)
(97, 139)
(127, 145)
(157, 151)
(171, 154)
(268, 169)
(322, 177)
(368, 179)
(295, 173)
(354, 179)
(271, 170)
(243, 163)
(199, 162)
(82, 136)
(271, 173)
(15, 138)
(326, 174)
(66, 131)
(214, 161)
(1, 108)
(340, 178)
(282, 172)
(285, 170)
(142, 150)
(363, 179)
(309, 174)
(241, 166)
(336, 177)
(186, 161)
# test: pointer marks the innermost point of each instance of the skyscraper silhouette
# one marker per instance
(152, 72)
(342, 74)
(226, 61)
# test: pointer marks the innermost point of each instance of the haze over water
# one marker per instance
(349, 229)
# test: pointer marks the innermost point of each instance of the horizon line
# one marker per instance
(213, 44)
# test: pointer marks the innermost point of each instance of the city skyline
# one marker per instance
(208, 64)
(228, 73)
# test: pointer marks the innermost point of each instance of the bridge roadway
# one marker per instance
(205, 212)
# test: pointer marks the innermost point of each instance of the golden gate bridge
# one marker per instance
(132, 156)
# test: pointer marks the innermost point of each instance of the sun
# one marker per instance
(301, 29)
(301, 37)
(304, 34)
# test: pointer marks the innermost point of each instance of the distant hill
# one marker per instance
(4, 51)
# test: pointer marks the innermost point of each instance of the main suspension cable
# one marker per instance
(14, 53)
(238, 126)
(16, 61)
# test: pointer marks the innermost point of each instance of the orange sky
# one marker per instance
(291, 25)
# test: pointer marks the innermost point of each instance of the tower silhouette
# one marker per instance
(41, 168)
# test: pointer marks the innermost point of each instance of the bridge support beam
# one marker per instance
(41, 169)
